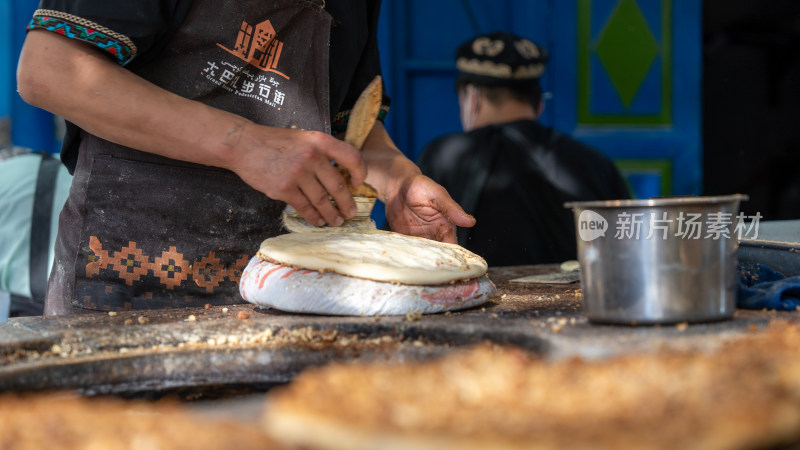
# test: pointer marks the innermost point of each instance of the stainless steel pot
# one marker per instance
(660, 260)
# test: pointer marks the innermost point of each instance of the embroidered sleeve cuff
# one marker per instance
(339, 124)
(118, 46)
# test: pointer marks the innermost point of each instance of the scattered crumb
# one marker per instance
(447, 313)
(143, 320)
(682, 326)
(207, 306)
(504, 296)
(556, 328)
(224, 310)
(570, 266)
(112, 314)
(493, 315)
(242, 315)
(191, 318)
(413, 316)
(128, 321)
(267, 334)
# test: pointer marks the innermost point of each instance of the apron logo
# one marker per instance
(258, 47)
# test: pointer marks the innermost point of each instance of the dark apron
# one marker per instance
(140, 231)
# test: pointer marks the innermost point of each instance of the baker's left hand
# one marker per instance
(421, 207)
(415, 204)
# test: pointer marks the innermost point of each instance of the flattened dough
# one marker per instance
(378, 255)
(306, 291)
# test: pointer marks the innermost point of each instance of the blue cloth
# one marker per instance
(761, 287)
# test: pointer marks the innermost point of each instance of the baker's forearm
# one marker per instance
(387, 166)
(75, 81)
(79, 83)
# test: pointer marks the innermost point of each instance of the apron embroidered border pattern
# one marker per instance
(171, 268)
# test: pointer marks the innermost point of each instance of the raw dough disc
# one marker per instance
(307, 291)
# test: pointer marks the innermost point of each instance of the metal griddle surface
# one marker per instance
(151, 351)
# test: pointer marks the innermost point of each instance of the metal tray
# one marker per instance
(781, 256)
(777, 246)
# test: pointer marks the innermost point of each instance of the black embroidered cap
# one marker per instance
(500, 59)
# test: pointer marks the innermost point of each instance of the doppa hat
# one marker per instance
(500, 59)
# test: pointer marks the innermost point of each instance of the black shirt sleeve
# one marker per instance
(129, 32)
(354, 57)
(123, 30)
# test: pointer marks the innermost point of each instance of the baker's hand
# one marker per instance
(422, 207)
(81, 84)
(294, 166)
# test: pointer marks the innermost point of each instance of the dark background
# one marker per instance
(751, 103)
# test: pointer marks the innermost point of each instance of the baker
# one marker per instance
(191, 125)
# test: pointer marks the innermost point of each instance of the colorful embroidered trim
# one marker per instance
(339, 124)
(171, 268)
(117, 45)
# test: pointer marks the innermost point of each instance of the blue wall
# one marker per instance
(30, 127)
(6, 71)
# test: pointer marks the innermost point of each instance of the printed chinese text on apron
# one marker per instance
(140, 231)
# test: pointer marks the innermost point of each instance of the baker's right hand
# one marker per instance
(294, 166)
(83, 85)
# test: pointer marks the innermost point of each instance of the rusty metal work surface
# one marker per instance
(145, 351)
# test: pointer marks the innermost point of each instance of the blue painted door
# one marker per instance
(624, 76)
(6, 72)
(20, 123)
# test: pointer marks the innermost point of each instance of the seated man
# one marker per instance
(33, 188)
(507, 170)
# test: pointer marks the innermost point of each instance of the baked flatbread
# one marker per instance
(378, 255)
(745, 395)
(66, 422)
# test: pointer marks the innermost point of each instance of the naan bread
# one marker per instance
(62, 421)
(378, 255)
(746, 395)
